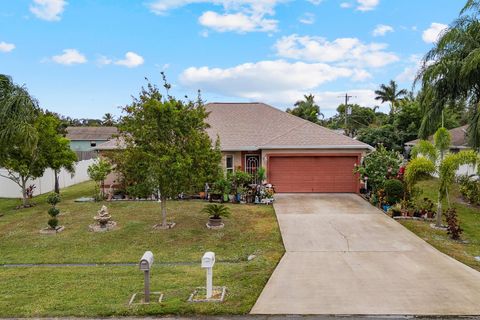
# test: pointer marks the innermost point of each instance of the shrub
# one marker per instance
(53, 212)
(378, 165)
(453, 226)
(470, 189)
(394, 190)
(53, 223)
(53, 199)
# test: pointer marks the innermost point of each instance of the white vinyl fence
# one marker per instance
(46, 183)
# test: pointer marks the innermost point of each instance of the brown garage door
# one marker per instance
(313, 174)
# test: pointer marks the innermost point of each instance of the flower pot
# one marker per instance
(202, 195)
(215, 222)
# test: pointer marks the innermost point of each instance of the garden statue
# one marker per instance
(104, 221)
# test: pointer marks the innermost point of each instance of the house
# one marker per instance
(298, 155)
(459, 139)
(84, 139)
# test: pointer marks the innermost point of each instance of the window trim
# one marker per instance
(232, 168)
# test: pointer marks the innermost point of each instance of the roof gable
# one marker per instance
(90, 133)
(252, 126)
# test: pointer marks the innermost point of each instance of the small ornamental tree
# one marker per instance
(428, 159)
(378, 165)
(98, 172)
(170, 144)
(55, 148)
(53, 199)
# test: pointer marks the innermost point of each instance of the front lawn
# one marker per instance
(469, 218)
(104, 291)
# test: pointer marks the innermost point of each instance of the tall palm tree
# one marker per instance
(451, 72)
(390, 93)
(108, 120)
(307, 109)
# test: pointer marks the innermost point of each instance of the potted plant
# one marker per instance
(216, 212)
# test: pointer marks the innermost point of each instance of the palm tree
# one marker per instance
(18, 111)
(307, 109)
(108, 120)
(428, 159)
(450, 73)
(390, 93)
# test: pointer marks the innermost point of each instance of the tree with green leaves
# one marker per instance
(378, 165)
(169, 138)
(307, 109)
(55, 147)
(450, 73)
(390, 93)
(20, 145)
(428, 159)
(98, 172)
(108, 120)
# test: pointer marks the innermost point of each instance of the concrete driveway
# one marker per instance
(343, 256)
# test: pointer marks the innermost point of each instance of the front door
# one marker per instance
(252, 163)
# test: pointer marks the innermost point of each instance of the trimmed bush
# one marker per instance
(394, 190)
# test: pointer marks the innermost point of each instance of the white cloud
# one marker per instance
(237, 22)
(367, 5)
(381, 30)
(315, 2)
(345, 5)
(307, 18)
(49, 10)
(131, 60)
(238, 15)
(432, 34)
(410, 72)
(6, 47)
(343, 51)
(267, 80)
(70, 57)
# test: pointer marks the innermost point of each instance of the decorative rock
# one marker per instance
(85, 199)
(199, 295)
(251, 257)
(170, 225)
(48, 230)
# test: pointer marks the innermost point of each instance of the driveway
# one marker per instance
(343, 256)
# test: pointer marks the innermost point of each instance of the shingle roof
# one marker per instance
(112, 144)
(90, 133)
(458, 136)
(253, 126)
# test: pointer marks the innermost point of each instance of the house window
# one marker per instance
(93, 144)
(229, 163)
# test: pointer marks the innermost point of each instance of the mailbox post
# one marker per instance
(145, 264)
(208, 260)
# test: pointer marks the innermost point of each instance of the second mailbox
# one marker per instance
(146, 261)
(208, 260)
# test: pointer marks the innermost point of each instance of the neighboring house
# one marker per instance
(458, 136)
(87, 138)
(459, 141)
(298, 155)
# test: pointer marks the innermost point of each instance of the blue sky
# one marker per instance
(84, 58)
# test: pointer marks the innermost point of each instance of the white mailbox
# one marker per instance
(146, 261)
(208, 260)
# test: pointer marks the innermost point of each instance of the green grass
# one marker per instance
(105, 291)
(469, 217)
